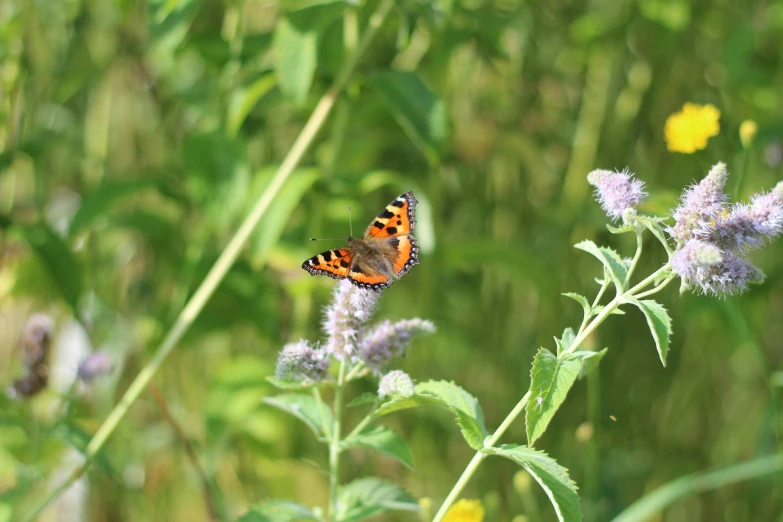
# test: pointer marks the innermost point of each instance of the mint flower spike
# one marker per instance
(346, 316)
(700, 205)
(751, 226)
(695, 257)
(300, 362)
(388, 340)
(396, 383)
(616, 192)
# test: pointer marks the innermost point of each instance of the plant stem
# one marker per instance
(334, 443)
(636, 256)
(227, 258)
(655, 501)
(584, 331)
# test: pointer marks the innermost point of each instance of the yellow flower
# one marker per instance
(465, 511)
(748, 130)
(688, 130)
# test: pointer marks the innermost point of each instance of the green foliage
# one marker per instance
(277, 511)
(612, 262)
(660, 325)
(315, 414)
(550, 379)
(550, 475)
(370, 496)
(382, 440)
(451, 397)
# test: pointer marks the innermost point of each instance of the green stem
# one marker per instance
(226, 260)
(322, 408)
(359, 427)
(584, 331)
(654, 502)
(637, 255)
(334, 443)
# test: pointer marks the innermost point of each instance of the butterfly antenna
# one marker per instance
(327, 239)
(350, 223)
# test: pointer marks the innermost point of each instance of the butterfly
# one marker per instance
(385, 253)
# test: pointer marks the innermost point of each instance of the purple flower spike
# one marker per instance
(388, 340)
(349, 311)
(700, 205)
(750, 226)
(731, 276)
(694, 258)
(617, 192)
(300, 362)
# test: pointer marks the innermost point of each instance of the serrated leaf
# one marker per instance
(551, 378)
(565, 342)
(550, 475)
(654, 226)
(306, 408)
(277, 511)
(582, 300)
(451, 397)
(295, 59)
(621, 230)
(369, 496)
(610, 259)
(589, 360)
(660, 325)
(384, 441)
(364, 398)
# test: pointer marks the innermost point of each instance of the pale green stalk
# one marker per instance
(226, 259)
(656, 501)
(334, 443)
(584, 331)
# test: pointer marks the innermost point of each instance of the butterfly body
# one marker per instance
(385, 252)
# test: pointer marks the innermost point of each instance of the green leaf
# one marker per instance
(621, 230)
(306, 408)
(277, 511)
(243, 100)
(582, 300)
(654, 226)
(285, 385)
(99, 203)
(364, 398)
(551, 378)
(660, 325)
(588, 359)
(418, 110)
(566, 341)
(451, 397)
(295, 55)
(59, 261)
(553, 477)
(370, 496)
(382, 440)
(611, 261)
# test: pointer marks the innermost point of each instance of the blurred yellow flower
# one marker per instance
(688, 130)
(465, 510)
(747, 132)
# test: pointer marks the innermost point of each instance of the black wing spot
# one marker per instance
(327, 256)
(399, 203)
(344, 263)
(356, 270)
(378, 224)
(386, 214)
(399, 222)
(394, 242)
(391, 231)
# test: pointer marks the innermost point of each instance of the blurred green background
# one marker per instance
(136, 135)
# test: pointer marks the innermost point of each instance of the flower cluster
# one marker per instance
(713, 237)
(617, 192)
(396, 383)
(349, 338)
(465, 510)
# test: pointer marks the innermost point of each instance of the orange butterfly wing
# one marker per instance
(396, 219)
(407, 254)
(370, 281)
(333, 263)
